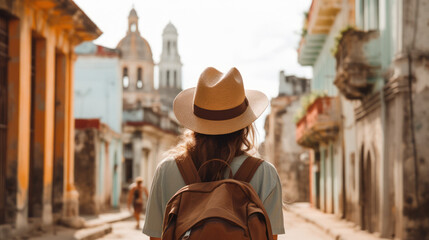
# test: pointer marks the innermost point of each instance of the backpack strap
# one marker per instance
(248, 169)
(188, 170)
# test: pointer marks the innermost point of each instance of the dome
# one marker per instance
(170, 28)
(133, 13)
(135, 46)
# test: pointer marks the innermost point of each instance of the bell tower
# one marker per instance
(170, 68)
(133, 21)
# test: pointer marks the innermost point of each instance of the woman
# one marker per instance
(135, 196)
(219, 114)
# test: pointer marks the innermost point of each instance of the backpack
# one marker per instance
(224, 209)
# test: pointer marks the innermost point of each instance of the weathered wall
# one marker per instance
(293, 171)
(282, 150)
(350, 161)
(414, 200)
(30, 190)
(370, 142)
(86, 163)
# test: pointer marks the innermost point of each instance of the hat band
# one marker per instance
(218, 115)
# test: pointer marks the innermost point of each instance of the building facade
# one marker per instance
(281, 149)
(149, 128)
(97, 166)
(147, 136)
(372, 57)
(98, 113)
(170, 69)
(137, 67)
(37, 185)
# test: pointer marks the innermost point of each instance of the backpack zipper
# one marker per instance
(187, 234)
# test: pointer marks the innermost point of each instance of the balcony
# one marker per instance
(320, 124)
(357, 58)
(321, 17)
(147, 117)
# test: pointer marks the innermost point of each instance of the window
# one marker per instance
(303, 85)
(139, 78)
(369, 14)
(376, 14)
(168, 78)
(128, 170)
(175, 78)
(125, 78)
(168, 47)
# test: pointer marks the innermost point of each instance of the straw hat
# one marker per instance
(219, 104)
(139, 179)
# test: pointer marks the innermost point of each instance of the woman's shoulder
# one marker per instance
(166, 162)
(267, 173)
(269, 167)
(167, 165)
(265, 167)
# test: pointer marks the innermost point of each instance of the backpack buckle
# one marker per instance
(187, 234)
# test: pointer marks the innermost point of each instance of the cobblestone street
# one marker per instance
(296, 228)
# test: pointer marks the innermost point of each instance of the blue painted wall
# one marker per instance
(98, 94)
(98, 89)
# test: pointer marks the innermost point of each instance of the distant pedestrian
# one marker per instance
(136, 197)
(219, 113)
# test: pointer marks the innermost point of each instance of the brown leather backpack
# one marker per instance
(224, 209)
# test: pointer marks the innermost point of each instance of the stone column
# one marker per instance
(19, 115)
(71, 196)
(45, 92)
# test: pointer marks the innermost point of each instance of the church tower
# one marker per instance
(137, 67)
(170, 68)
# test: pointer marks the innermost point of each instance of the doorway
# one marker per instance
(4, 51)
(365, 190)
(35, 187)
(317, 178)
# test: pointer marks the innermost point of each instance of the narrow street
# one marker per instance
(296, 228)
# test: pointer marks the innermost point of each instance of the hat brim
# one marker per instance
(183, 109)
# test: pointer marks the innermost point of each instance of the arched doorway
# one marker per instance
(365, 190)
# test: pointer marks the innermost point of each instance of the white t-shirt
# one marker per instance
(168, 180)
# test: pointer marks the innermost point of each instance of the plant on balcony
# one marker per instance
(306, 101)
(353, 69)
(338, 38)
(304, 30)
(320, 122)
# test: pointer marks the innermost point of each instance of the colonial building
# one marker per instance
(281, 149)
(147, 136)
(37, 184)
(170, 69)
(98, 112)
(149, 129)
(137, 66)
(372, 57)
(117, 87)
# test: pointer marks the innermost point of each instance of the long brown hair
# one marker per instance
(201, 148)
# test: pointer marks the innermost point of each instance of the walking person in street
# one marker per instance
(219, 115)
(135, 196)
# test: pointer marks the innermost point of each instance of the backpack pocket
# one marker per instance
(257, 223)
(214, 229)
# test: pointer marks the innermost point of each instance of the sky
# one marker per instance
(259, 38)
